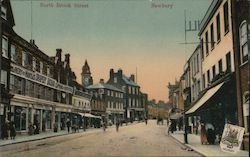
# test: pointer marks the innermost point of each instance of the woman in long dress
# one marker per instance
(203, 134)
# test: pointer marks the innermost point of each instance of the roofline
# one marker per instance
(209, 14)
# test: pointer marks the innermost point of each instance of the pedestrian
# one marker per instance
(117, 125)
(146, 120)
(203, 134)
(68, 123)
(4, 131)
(210, 133)
(8, 129)
(12, 130)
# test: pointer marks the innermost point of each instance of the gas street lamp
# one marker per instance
(185, 122)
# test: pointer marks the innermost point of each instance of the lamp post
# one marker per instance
(84, 128)
(185, 120)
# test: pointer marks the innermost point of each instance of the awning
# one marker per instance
(89, 115)
(205, 98)
(176, 116)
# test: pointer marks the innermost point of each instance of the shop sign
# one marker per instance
(39, 78)
(232, 138)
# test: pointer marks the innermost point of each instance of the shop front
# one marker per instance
(216, 106)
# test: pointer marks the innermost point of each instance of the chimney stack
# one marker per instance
(132, 77)
(120, 73)
(67, 58)
(111, 74)
(59, 54)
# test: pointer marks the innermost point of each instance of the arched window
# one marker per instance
(243, 42)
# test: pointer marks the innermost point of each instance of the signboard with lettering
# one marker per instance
(39, 78)
(232, 138)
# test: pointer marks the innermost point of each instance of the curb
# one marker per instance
(188, 146)
(64, 134)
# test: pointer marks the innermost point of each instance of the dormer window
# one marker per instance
(4, 12)
(115, 79)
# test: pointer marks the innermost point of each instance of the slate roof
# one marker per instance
(129, 81)
(103, 86)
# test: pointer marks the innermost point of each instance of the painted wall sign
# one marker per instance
(39, 78)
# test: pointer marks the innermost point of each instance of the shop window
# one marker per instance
(243, 42)
(20, 118)
(5, 47)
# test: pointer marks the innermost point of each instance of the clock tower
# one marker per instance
(86, 75)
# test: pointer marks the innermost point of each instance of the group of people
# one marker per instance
(8, 130)
(207, 133)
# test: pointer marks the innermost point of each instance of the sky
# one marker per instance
(132, 35)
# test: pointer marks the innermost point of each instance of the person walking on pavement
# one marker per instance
(203, 134)
(68, 123)
(12, 130)
(146, 120)
(117, 125)
(8, 129)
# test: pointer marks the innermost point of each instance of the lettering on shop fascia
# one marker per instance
(39, 78)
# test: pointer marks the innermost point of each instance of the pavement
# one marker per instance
(40, 136)
(49, 134)
(206, 150)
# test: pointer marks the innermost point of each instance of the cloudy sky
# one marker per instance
(126, 34)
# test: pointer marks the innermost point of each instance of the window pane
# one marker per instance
(13, 53)
(4, 78)
(5, 47)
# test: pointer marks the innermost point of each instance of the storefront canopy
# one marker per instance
(209, 93)
(89, 115)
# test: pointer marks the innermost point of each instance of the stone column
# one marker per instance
(53, 114)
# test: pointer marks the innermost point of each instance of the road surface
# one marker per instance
(133, 140)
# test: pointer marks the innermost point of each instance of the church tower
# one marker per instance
(86, 75)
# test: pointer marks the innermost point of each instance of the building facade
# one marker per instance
(112, 97)
(217, 66)
(195, 74)
(134, 109)
(241, 40)
(7, 23)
